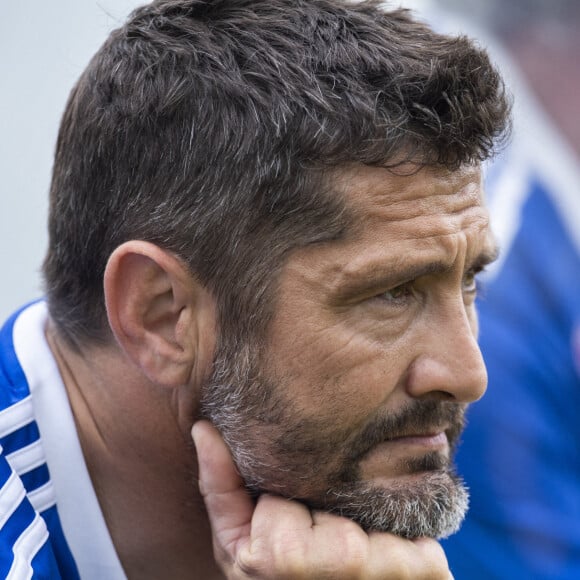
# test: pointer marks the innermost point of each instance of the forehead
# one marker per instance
(410, 197)
(410, 216)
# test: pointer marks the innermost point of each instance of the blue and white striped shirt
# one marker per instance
(51, 525)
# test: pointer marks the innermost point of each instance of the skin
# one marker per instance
(368, 324)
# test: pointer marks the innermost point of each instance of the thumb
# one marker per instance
(228, 504)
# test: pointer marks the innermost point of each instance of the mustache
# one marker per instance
(415, 417)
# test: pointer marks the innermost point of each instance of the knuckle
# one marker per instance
(277, 558)
(249, 565)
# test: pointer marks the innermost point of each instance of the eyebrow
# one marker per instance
(484, 258)
(375, 275)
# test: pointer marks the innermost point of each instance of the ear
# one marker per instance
(161, 316)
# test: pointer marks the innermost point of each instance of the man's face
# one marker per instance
(356, 399)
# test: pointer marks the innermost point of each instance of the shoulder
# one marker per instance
(26, 495)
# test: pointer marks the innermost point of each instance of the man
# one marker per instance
(267, 214)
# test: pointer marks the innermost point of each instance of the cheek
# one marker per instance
(337, 372)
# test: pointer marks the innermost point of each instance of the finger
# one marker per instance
(275, 513)
(228, 504)
(433, 558)
(377, 555)
(420, 559)
(281, 535)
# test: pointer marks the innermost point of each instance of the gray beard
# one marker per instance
(433, 506)
(278, 451)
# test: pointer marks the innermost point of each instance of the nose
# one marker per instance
(448, 362)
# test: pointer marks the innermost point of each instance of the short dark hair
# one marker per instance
(209, 127)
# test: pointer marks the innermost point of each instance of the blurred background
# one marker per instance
(44, 46)
(519, 453)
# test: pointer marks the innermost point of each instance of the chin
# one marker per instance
(430, 504)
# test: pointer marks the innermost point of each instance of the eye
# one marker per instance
(470, 285)
(398, 294)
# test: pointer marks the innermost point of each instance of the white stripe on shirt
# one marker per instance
(26, 547)
(11, 495)
(16, 416)
(27, 458)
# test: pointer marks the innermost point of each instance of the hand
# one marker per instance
(278, 538)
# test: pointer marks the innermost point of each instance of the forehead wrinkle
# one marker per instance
(469, 219)
(372, 204)
(425, 205)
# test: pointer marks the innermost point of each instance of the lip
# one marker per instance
(434, 439)
(390, 459)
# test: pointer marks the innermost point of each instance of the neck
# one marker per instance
(135, 440)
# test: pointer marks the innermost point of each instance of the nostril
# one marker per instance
(442, 395)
